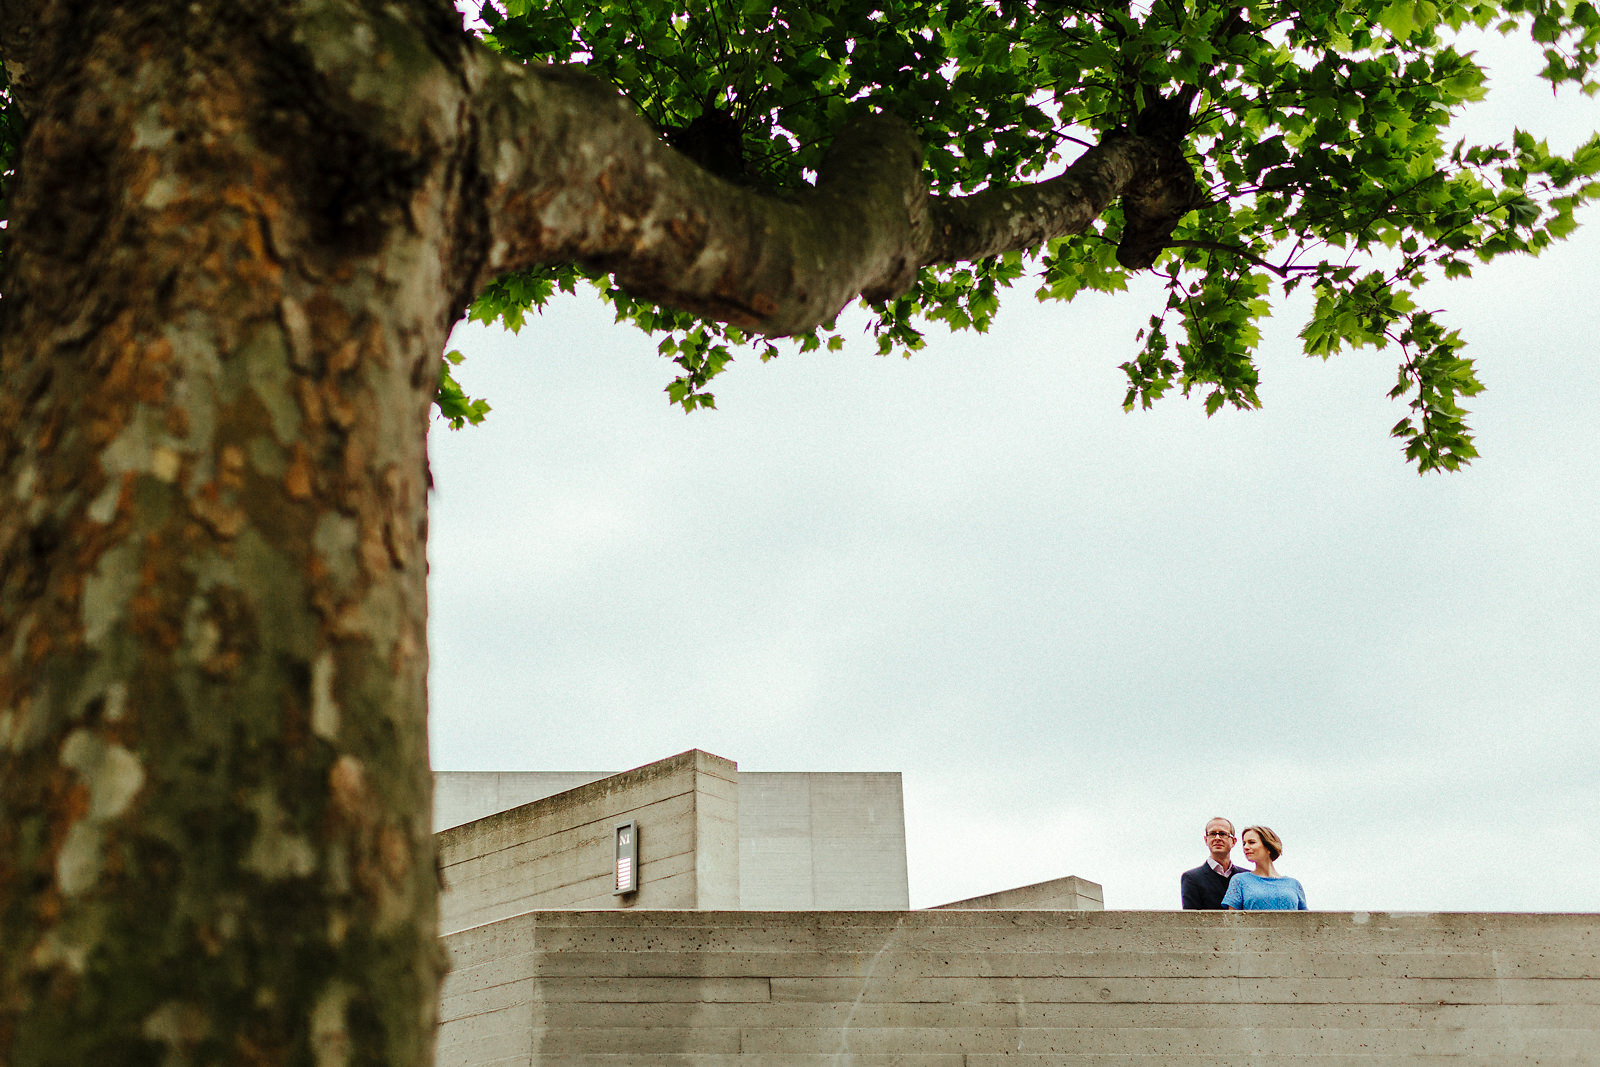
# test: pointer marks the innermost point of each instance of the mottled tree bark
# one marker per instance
(238, 238)
(224, 305)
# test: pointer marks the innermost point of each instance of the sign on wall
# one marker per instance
(627, 858)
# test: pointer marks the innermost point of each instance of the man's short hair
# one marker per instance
(1218, 818)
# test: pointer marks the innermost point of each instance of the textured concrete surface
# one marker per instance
(1058, 894)
(465, 796)
(822, 840)
(558, 852)
(964, 988)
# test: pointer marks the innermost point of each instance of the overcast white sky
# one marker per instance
(1078, 633)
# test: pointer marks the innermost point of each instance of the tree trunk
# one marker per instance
(238, 236)
(223, 313)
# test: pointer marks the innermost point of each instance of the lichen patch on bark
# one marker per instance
(324, 709)
(108, 591)
(112, 776)
(277, 852)
(330, 1030)
(177, 1024)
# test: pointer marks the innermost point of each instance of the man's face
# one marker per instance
(1219, 839)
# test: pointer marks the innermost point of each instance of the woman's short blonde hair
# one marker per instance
(1273, 842)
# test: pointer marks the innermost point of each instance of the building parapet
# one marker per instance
(981, 988)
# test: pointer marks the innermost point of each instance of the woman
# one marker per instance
(1266, 889)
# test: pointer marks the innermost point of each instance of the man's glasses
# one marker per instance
(1218, 833)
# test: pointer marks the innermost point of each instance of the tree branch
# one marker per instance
(1282, 271)
(574, 174)
(1025, 216)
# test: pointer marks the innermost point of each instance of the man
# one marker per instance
(1202, 889)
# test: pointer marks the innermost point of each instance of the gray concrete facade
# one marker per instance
(822, 840)
(538, 839)
(976, 988)
(1058, 894)
(558, 852)
(465, 796)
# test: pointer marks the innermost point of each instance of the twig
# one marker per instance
(1284, 271)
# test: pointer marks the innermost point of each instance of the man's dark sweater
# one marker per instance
(1203, 888)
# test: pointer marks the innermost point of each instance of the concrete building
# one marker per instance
(727, 954)
(958, 988)
(709, 836)
(1059, 894)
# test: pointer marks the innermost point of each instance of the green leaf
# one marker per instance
(1399, 18)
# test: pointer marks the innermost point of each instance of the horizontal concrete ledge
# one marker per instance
(1039, 944)
(1216, 1040)
(1138, 990)
(734, 1010)
(885, 965)
(960, 988)
(1025, 930)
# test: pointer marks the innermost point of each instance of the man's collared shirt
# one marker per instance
(1226, 872)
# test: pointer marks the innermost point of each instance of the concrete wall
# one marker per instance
(1058, 894)
(465, 796)
(558, 852)
(821, 840)
(1018, 988)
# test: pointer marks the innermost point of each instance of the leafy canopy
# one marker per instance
(1319, 136)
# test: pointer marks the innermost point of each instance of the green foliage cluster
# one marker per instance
(1319, 134)
(455, 406)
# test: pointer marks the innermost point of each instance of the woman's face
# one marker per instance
(1254, 850)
